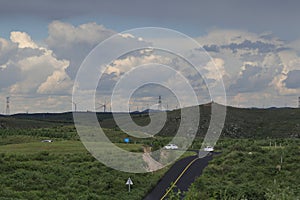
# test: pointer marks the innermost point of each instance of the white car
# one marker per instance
(47, 141)
(209, 148)
(171, 146)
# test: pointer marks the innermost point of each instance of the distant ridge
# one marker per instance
(240, 122)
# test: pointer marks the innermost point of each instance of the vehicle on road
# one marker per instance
(209, 148)
(47, 141)
(171, 146)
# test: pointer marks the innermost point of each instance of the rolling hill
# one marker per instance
(240, 122)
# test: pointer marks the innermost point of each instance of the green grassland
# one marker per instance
(251, 169)
(45, 175)
(56, 147)
(247, 168)
(64, 169)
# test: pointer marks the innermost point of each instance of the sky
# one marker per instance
(254, 46)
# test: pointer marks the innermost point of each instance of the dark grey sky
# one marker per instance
(192, 17)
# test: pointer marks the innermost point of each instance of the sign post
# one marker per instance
(129, 183)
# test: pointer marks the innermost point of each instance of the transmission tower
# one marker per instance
(7, 106)
(159, 103)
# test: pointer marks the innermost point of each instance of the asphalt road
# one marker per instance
(193, 168)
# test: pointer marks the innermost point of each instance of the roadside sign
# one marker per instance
(129, 183)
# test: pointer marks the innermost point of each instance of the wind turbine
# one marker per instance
(102, 106)
(75, 105)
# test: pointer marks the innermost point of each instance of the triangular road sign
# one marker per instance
(129, 182)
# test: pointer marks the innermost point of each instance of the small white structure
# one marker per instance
(47, 141)
(209, 148)
(171, 146)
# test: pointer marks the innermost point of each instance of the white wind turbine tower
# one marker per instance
(75, 105)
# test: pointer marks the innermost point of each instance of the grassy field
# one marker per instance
(251, 169)
(247, 168)
(58, 147)
(64, 169)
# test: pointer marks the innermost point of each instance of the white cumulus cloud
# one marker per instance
(22, 39)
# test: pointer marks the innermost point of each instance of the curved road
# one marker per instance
(183, 172)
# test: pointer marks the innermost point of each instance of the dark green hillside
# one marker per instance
(23, 123)
(240, 122)
(278, 122)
